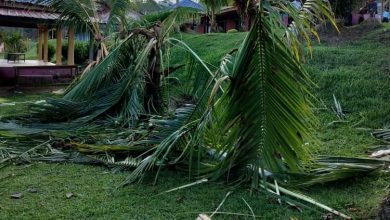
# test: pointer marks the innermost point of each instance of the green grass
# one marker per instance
(357, 73)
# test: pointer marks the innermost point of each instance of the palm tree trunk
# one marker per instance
(152, 98)
(91, 52)
(213, 22)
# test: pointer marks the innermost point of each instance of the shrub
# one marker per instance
(81, 50)
(232, 31)
(51, 50)
(14, 43)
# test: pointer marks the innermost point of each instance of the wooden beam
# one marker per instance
(45, 44)
(59, 47)
(25, 22)
(71, 46)
(40, 43)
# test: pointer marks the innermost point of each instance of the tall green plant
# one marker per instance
(90, 15)
(14, 43)
(257, 120)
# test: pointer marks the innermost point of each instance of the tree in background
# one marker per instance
(246, 10)
(213, 7)
(343, 9)
(87, 15)
(14, 43)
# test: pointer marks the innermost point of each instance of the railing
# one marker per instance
(48, 71)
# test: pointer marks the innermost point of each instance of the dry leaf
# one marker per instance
(69, 195)
(32, 190)
(203, 217)
(16, 195)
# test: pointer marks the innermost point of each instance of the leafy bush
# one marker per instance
(232, 31)
(81, 50)
(51, 50)
(14, 43)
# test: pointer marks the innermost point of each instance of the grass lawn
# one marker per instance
(357, 73)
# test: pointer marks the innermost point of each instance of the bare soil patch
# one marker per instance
(348, 34)
(384, 213)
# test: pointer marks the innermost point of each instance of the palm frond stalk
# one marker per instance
(126, 85)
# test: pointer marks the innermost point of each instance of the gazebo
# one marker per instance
(30, 14)
(38, 15)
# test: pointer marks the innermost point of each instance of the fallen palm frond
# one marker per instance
(40, 152)
(250, 120)
(338, 109)
(382, 135)
(306, 199)
(128, 162)
(254, 111)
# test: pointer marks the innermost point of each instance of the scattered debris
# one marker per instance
(338, 108)
(203, 217)
(40, 102)
(220, 205)
(328, 216)
(7, 104)
(384, 213)
(69, 195)
(16, 195)
(380, 153)
(250, 208)
(32, 190)
(339, 112)
(382, 134)
(58, 92)
(353, 209)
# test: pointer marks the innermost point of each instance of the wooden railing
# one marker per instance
(46, 71)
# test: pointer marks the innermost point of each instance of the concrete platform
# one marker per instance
(34, 72)
(4, 63)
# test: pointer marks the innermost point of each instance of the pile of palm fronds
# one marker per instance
(251, 120)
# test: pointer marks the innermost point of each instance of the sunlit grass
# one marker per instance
(3, 100)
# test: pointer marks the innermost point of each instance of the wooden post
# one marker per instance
(59, 47)
(71, 46)
(45, 45)
(40, 42)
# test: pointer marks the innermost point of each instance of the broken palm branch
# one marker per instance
(252, 122)
(382, 135)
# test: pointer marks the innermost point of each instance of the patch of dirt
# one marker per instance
(329, 34)
(384, 213)
(383, 37)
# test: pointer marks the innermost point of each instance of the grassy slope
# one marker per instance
(356, 73)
